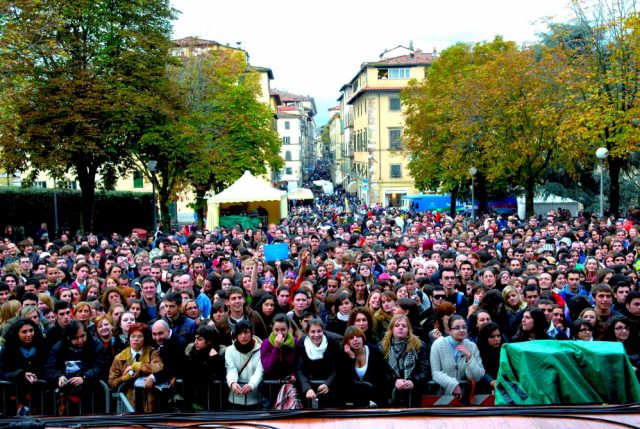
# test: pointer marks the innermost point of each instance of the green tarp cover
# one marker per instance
(244, 221)
(565, 372)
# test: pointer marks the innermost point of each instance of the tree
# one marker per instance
(81, 82)
(603, 78)
(220, 129)
(435, 109)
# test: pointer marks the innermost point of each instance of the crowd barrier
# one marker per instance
(44, 399)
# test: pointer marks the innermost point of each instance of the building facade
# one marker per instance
(372, 112)
(296, 128)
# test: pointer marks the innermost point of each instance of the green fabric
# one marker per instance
(244, 221)
(565, 372)
(288, 342)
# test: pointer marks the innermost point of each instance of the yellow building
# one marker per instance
(379, 167)
(335, 144)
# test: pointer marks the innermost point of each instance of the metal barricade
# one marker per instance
(15, 398)
(92, 398)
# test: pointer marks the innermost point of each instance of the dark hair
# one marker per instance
(11, 338)
(351, 332)
(540, 324)
(576, 325)
(61, 305)
(455, 318)
(242, 326)
(173, 297)
(610, 327)
(473, 321)
(208, 333)
(71, 330)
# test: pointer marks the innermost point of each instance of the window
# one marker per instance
(286, 140)
(395, 138)
(288, 170)
(40, 184)
(287, 156)
(394, 104)
(396, 171)
(401, 73)
(138, 181)
(287, 125)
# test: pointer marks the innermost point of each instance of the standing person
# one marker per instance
(490, 342)
(455, 359)
(406, 359)
(277, 353)
(533, 326)
(361, 362)
(179, 323)
(75, 361)
(244, 368)
(316, 360)
(22, 361)
(134, 363)
(204, 364)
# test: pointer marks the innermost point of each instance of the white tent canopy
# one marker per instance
(254, 193)
(301, 194)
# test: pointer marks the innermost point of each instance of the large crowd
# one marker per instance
(371, 306)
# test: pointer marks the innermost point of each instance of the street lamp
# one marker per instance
(151, 165)
(473, 171)
(601, 154)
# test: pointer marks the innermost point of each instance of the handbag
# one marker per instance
(288, 398)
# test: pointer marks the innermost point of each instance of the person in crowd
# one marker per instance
(76, 360)
(316, 360)
(204, 364)
(362, 319)
(533, 326)
(22, 360)
(490, 342)
(135, 364)
(265, 306)
(581, 329)
(180, 324)
(105, 333)
(361, 362)
(277, 352)
(620, 329)
(342, 307)
(171, 347)
(244, 367)
(455, 359)
(407, 361)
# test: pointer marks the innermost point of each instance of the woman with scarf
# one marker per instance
(455, 359)
(244, 369)
(22, 360)
(407, 361)
(342, 307)
(278, 354)
(316, 360)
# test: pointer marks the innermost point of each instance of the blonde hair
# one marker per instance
(413, 342)
(9, 310)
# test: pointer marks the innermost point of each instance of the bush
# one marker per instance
(113, 211)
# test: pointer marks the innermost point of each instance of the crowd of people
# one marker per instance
(372, 304)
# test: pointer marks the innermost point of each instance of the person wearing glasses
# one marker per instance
(448, 281)
(455, 359)
(620, 328)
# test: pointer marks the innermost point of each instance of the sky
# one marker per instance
(315, 48)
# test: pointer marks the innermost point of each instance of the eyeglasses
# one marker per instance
(136, 337)
(459, 328)
(621, 328)
(438, 296)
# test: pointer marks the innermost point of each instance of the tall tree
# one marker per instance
(604, 80)
(220, 130)
(81, 81)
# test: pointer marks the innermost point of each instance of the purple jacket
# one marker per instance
(278, 363)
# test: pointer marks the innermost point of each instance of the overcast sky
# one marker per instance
(315, 48)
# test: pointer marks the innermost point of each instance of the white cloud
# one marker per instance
(313, 49)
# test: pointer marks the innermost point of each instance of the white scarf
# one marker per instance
(315, 352)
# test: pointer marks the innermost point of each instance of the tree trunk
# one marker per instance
(529, 194)
(87, 180)
(164, 197)
(615, 166)
(481, 194)
(200, 205)
(454, 199)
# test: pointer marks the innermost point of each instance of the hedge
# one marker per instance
(113, 211)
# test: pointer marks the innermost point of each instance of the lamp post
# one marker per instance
(601, 154)
(473, 171)
(151, 165)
